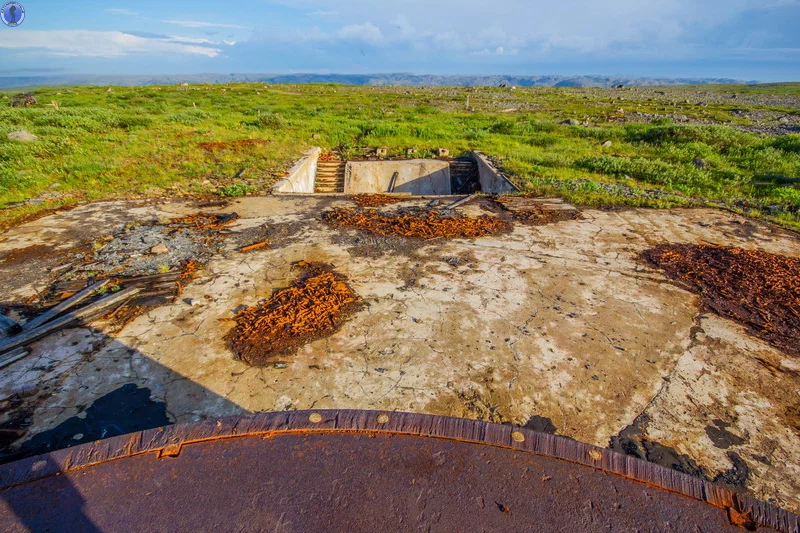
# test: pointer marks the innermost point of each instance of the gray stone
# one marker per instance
(22, 135)
(699, 163)
(572, 122)
(607, 144)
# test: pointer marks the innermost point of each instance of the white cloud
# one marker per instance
(653, 28)
(85, 43)
(118, 11)
(200, 24)
(367, 32)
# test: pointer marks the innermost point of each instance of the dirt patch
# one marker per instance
(315, 306)
(756, 289)
(24, 255)
(420, 224)
(375, 200)
(219, 145)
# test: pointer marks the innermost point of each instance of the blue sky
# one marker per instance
(742, 39)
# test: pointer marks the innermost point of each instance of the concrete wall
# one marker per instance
(416, 176)
(492, 181)
(301, 176)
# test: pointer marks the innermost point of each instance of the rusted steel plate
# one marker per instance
(360, 471)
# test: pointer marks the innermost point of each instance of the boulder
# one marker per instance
(572, 122)
(607, 144)
(22, 135)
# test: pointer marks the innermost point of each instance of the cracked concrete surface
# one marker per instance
(560, 322)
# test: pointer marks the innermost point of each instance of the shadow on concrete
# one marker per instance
(126, 409)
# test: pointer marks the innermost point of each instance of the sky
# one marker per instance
(739, 39)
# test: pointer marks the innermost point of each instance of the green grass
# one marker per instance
(154, 140)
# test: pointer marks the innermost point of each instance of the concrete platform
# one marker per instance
(558, 327)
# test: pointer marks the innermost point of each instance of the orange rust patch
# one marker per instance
(425, 225)
(314, 307)
(375, 200)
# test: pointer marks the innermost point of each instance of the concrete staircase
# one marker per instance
(330, 176)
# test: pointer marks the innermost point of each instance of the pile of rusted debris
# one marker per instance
(376, 200)
(315, 306)
(757, 289)
(417, 223)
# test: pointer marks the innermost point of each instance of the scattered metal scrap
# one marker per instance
(754, 288)
(315, 305)
(537, 211)
(49, 323)
(422, 224)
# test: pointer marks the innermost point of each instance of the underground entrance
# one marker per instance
(322, 173)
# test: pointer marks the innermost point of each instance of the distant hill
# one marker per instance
(360, 79)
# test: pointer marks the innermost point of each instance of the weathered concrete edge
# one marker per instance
(168, 442)
(492, 180)
(301, 176)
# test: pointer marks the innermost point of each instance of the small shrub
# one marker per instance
(788, 143)
(270, 120)
(543, 140)
(189, 117)
(236, 190)
(503, 127)
(129, 122)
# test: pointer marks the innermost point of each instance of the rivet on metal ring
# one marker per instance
(315, 418)
(518, 436)
(383, 418)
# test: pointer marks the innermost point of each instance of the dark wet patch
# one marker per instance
(540, 424)
(736, 476)
(631, 441)
(286, 233)
(721, 437)
(249, 236)
(362, 244)
(125, 410)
